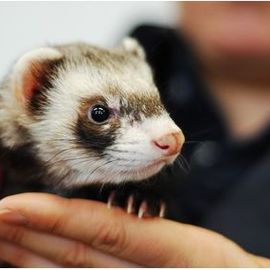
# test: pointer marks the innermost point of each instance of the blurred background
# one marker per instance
(25, 25)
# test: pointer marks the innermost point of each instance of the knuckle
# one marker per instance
(15, 235)
(76, 255)
(56, 224)
(111, 237)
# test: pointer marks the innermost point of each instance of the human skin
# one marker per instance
(42, 230)
(53, 231)
(227, 29)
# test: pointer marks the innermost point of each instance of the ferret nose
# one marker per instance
(171, 143)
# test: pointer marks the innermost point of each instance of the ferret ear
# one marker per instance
(32, 70)
(132, 46)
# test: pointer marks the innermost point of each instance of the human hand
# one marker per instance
(46, 230)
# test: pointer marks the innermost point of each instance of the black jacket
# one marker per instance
(228, 187)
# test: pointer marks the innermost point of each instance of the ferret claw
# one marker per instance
(142, 209)
(162, 210)
(130, 203)
(146, 208)
(111, 199)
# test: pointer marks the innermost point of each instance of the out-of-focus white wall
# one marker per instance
(25, 25)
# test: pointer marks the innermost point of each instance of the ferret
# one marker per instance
(77, 115)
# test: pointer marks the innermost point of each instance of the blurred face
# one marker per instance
(231, 29)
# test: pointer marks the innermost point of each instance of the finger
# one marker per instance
(110, 231)
(21, 257)
(62, 251)
(150, 242)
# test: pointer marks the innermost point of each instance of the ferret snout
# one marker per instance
(170, 144)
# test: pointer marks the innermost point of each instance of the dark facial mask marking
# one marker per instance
(93, 136)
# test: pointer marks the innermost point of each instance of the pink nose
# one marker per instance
(171, 143)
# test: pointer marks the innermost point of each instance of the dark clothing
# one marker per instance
(228, 187)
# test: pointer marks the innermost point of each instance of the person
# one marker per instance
(213, 78)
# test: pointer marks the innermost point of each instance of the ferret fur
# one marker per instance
(45, 135)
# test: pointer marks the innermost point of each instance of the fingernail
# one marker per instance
(10, 216)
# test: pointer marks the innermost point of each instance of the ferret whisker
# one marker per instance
(126, 152)
(132, 160)
(183, 164)
(179, 163)
(203, 131)
(47, 162)
(65, 151)
(60, 179)
(131, 163)
(99, 167)
(101, 188)
(185, 161)
(119, 150)
(128, 142)
(76, 141)
(80, 161)
(113, 149)
(190, 142)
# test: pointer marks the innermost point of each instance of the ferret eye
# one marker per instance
(99, 113)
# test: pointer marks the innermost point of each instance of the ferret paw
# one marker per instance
(137, 204)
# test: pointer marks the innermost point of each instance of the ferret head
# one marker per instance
(93, 115)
